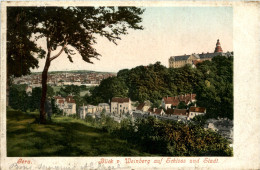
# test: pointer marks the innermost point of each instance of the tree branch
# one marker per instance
(57, 55)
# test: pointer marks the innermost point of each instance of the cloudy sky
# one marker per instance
(168, 31)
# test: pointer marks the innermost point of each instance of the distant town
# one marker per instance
(61, 78)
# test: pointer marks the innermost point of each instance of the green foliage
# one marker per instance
(55, 108)
(215, 90)
(19, 99)
(69, 90)
(64, 136)
(166, 137)
(108, 88)
(20, 47)
(212, 81)
(182, 105)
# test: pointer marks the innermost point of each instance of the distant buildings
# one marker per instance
(63, 78)
(193, 59)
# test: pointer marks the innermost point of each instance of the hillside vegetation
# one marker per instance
(212, 81)
(65, 136)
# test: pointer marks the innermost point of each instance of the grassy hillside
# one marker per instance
(65, 136)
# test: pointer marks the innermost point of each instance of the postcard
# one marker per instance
(130, 85)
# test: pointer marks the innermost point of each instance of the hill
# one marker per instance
(59, 139)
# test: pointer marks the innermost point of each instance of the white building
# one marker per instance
(120, 105)
(68, 104)
(103, 106)
(195, 111)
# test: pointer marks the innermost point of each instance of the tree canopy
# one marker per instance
(20, 47)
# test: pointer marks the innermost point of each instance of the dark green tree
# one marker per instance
(109, 88)
(215, 90)
(182, 105)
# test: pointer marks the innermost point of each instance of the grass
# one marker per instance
(56, 88)
(83, 93)
(64, 136)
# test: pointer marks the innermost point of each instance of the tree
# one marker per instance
(20, 47)
(70, 90)
(182, 105)
(75, 29)
(109, 88)
(215, 89)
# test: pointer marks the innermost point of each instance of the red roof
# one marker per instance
(155, 111)
(120, 100)
(69, 99)
(181, 98)
(140, 106)
(180, 112)
(197, 109)
(169, 111)
(171, 100)
(58, 97)
(195, 62)
(158, 111)
(61, 101)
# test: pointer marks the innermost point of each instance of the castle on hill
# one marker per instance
(193, 59)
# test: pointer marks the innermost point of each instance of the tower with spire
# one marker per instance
(218, 48)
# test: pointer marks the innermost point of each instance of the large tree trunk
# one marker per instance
(44, 89)
(44, 78)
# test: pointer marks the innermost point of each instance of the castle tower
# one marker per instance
(218, 48)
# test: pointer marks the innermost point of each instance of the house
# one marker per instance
(103, 106)
(91, 109)
(180, 112)
(156, 112)
(68, 104)
(144, 106)
(173, 102)
(168, 102)
(195, 111)
(169, 112)
(120, 105)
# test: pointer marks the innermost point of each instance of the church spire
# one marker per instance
(218, 48)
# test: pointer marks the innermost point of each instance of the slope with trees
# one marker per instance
(212, 81)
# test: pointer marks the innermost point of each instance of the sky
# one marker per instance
(168, 31)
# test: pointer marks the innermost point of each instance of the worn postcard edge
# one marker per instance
(246, 36)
